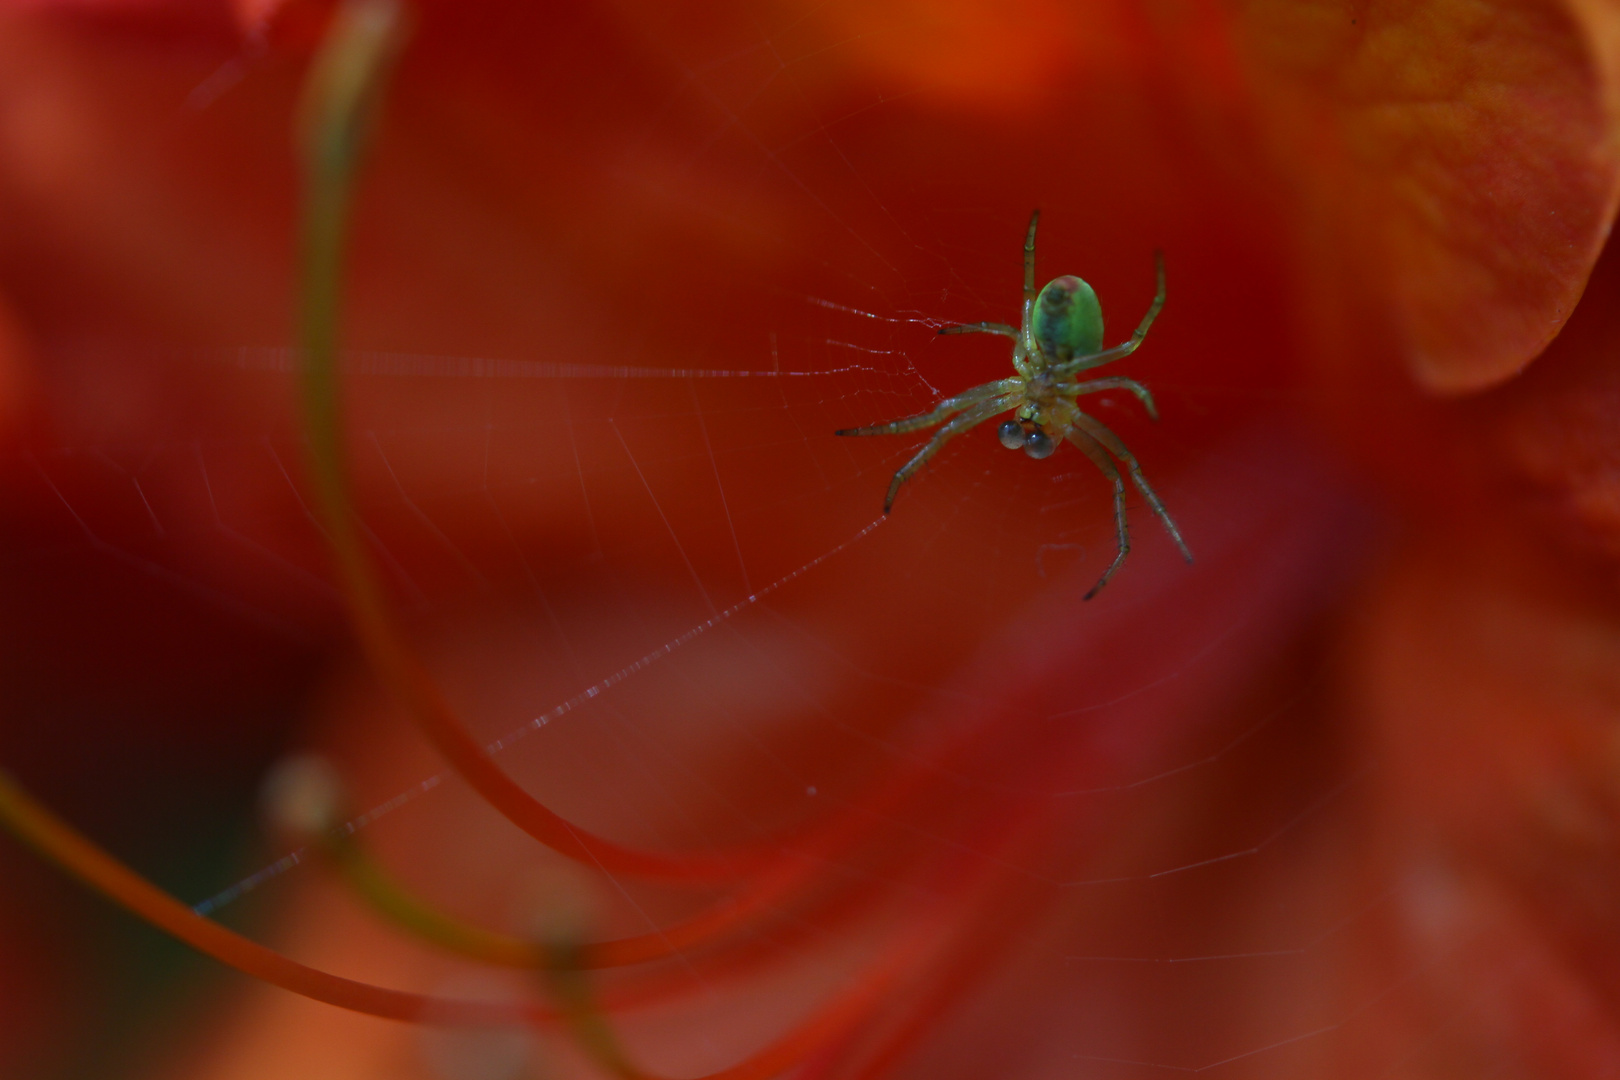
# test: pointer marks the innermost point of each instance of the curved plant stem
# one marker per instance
(429, 923)
(341, 96)
(952, 977)
(69, 849)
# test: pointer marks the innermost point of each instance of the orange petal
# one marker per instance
(1459, 156)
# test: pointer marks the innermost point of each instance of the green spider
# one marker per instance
(1061, 336)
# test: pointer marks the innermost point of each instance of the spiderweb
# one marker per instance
(614, 514)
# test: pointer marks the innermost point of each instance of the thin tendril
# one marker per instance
(342, 95)
(70, 850)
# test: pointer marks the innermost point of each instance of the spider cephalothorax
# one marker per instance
(1060, 337)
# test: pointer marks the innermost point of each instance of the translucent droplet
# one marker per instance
(1011, 434)
(301, 796)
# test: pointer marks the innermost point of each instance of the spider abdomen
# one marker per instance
(1067, 319)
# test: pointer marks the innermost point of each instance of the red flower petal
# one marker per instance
(1457, 160)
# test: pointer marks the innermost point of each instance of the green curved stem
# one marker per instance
(66, 847)
(341, 98)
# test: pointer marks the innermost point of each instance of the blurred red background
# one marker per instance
(1375, 219)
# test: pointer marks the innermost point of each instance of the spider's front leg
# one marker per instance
(976, 415)
(939, 412)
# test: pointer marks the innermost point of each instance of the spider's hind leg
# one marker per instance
(1116, 446)
(1099, 457)
(1143, 394)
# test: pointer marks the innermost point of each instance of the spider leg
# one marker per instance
(1099, 457)
(1108, 356)
(1094, 385)
(1029, 257)
(981, 328)
(1116, 446)
(1029, 281)
(938, 413)
(976, 415)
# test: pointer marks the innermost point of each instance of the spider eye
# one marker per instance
(1011, 434)
(1038, 444)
